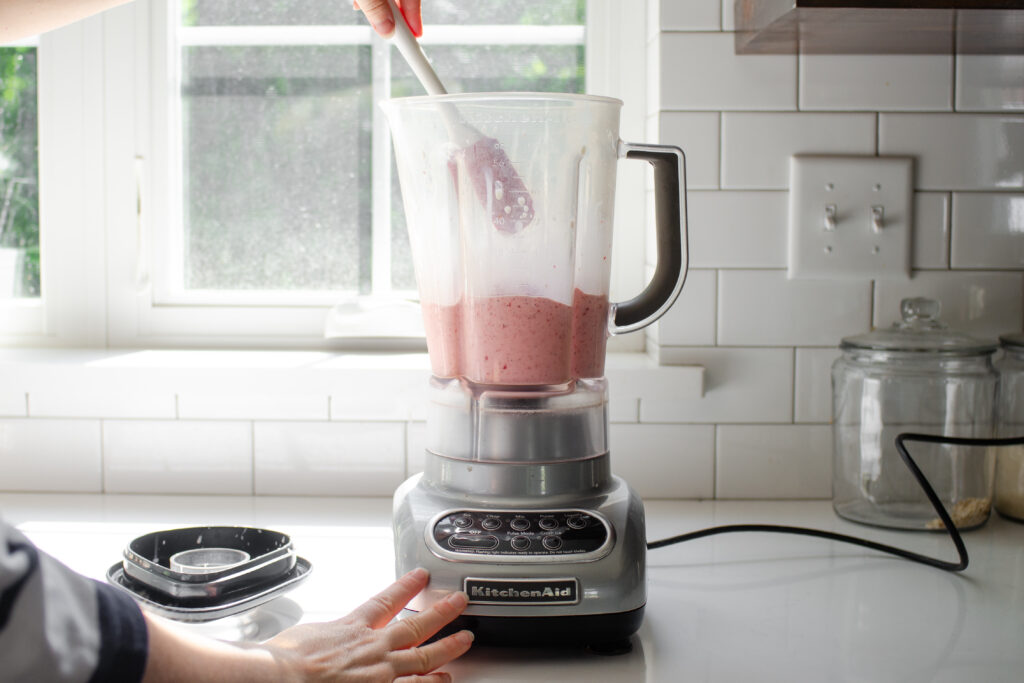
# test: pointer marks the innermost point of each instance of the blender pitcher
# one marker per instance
(509, 202)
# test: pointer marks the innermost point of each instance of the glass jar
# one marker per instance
(916, 376)
(1010, 461)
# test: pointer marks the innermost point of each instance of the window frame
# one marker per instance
(100, 211)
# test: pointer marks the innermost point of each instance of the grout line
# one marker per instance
(721, 150)
(103, 459)
(177, 406)
(871, 305)
(718, 312)
(714, 461)
(252, 458)
(949, 230)
(27, 411)
(793, 388)
(878, 133)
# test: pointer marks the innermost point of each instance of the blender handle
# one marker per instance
(673, 253)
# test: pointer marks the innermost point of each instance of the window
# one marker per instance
(286, 180)
(19, 174)
(216, 172)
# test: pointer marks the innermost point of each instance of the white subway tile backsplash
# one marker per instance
(701, 71)
(741, 385)
(773, 461)
(101, 402)
(988, 230)
(990, 82)
(50, 455)
(764, 308)
(957, 151)
(930, 241)
(756, 147)
(13, 404)
(381, 395)
(984, 304)
(691, 320)
(738, 229)
(876, 82)
(691, 15)
(157, 456)
(625, 409)
(698, 135)
(813, 385)
(210, 406)
(664, 461)
(329, 459)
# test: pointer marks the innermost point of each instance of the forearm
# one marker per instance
(176, 655)
(21, 18)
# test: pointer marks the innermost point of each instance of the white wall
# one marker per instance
(768, 342)
(753, 425)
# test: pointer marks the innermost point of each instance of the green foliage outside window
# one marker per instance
(19, 165)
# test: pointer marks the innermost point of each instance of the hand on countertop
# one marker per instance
(363, 646)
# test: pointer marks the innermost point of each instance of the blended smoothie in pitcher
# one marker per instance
(518, 340)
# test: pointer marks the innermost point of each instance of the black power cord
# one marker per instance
(933, 498)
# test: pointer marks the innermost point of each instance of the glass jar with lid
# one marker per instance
(916, 376)
(1010, 460)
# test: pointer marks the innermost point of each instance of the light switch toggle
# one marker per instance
(877, 218)
(830, 217)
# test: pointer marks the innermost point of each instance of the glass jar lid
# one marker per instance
(1013, 341)
(920, 331)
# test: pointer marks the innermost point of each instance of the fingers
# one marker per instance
(379, 15)
(382, 608)
(413, 16)
(414, 630)
(420, 660)
(436, 677)
(383, 21)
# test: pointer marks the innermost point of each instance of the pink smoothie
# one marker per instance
(589, 333)
(518, 340)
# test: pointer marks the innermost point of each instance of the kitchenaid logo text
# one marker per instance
(519, 592)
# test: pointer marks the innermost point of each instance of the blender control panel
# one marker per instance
(526, 533)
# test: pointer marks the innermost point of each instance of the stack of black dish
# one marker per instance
(205, 573)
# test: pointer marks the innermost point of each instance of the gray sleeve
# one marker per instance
(56, 625)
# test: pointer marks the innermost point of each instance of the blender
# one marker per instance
(509, 203)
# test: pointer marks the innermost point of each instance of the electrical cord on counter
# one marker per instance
(933, 498)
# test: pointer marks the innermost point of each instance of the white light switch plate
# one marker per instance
(850, 216)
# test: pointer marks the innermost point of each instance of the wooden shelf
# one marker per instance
(879, 27)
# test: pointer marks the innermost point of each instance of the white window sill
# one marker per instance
(269, 385)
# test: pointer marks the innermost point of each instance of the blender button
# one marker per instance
(463, 521)
(552, 542)
(520, 524)
(473, 541)
(548, 523)
(577, 521)
(520, 543)
(491, 523)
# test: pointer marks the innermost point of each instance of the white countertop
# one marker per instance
(737, 607)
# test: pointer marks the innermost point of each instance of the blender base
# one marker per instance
(602, 633)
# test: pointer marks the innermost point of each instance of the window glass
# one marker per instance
(277, 175)
(478, 68)
(277, 167)
(264, 13)
(19, 174)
